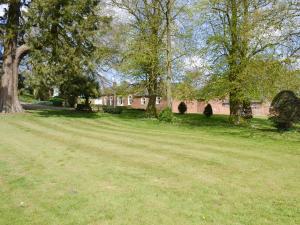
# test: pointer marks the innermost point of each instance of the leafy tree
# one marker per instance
(142, 59)
(169, 23)
(79, 86)
(247, 110)
(14, 50)
(208, 111)
(240, 34)
(59, 34)
(148, 50)
(182, 108)
(285, 110)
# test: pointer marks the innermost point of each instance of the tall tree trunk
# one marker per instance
(9, 102)
(152, 69)
(152, 92)
(169, 53)
(235, 107)
(233, 61)
(9, 82)
(151, 108)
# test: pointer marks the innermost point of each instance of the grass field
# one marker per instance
(61, 168)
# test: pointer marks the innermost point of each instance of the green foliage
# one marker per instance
(144, 52)
(113, 110)
(56, 101)
(247, 110)
(78, 85)
(27, 98)
(166, 115)
(182, 108)
(244, 62)
(64, 37)
(285, 110)
(208, 111)
(188, 88)
(263, 78)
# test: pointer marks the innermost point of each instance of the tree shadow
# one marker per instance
(65, 113)
(219, 124)
(199, 120)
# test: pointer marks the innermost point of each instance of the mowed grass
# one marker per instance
(62, 168)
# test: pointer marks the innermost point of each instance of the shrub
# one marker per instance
(285, 110)
(56, 101)
(247, 111)
(112, 110)
(208, 112)
(166, 115)
(182, 108)
(83, 107)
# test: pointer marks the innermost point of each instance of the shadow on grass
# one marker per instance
(66, 113)
(203, 121)
(256, 128)
(219, 124)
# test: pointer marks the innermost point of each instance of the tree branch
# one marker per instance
(21, 52)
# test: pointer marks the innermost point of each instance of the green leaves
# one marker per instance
(65, 37)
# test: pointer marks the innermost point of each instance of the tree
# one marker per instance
(169, 22)
(285, 110)
(79, 85)
(208, 111)
(14, 50)
(238, 33)
(182, 108)
(142, 58)
(148, 53)
(59, 34)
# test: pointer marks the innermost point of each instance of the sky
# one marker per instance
(1, 14)
(2, 9)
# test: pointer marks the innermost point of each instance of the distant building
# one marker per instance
(221, 107)
(56, 92)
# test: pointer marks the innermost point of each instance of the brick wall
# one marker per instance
(193, 106)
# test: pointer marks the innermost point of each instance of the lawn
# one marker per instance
(59, 168)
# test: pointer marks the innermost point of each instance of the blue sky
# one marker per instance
(2, 6)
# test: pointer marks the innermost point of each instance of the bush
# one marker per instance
(112, 110)
(84, 107)
(56, 101)
(166, 115)
(208, 112)
(285, 110)
(182, 108)
(247, 111)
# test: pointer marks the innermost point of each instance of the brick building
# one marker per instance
(193, 106)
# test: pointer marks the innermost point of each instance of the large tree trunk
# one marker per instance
(153, 68)
(235, 107)
(9, 102)
(151, 108)
(9, 87)
(233, 61)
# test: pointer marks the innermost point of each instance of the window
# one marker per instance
(158, 100)
(105, 100)
(111, 100)
(143, 101)
(130, 100)
(120, 101)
